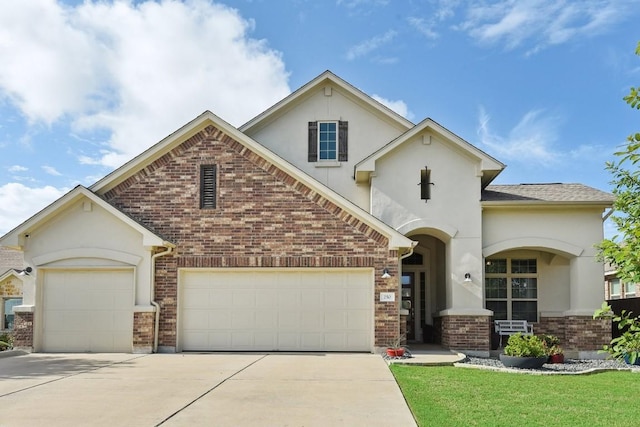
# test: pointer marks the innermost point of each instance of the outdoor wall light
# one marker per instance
(25, 272)
(467, 277)
(385, 273)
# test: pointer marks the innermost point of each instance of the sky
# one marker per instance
(87, 85)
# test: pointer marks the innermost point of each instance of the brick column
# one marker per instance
(467, 333)
(143, 323)
(23, 331)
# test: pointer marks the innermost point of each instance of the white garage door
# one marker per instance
(297, 310)
(87, 311)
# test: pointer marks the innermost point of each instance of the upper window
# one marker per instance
(629, 289)
(615, 289)
(208, 184)
(328, 141)
(511, 289)
(7, 311)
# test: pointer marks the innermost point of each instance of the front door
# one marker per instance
(408, 303)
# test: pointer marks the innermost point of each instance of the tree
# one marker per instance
(623, 251)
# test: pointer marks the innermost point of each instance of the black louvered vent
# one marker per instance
(208, 186)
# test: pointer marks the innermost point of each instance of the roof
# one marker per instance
(396, 239)
(550, 193)
(320, 81)
(488, 165)
(16, 237)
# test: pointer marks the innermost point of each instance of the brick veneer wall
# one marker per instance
(586, 334)
(264, 218)
(466, 332)
(23, 331)
(143, 323)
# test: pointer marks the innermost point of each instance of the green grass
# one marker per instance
(448, 396)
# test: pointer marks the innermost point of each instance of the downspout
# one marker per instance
(156, 326)
(607, 215)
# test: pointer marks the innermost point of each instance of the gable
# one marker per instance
(261, 209)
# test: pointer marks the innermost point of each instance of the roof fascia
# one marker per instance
(321, 80)
(16, 237)
(365, 167)
(528, 204)
(396, 239)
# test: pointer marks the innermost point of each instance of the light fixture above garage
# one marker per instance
(385, 273)
(467, 277)
(25, 272)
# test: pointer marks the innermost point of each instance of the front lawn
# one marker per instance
(448, 396)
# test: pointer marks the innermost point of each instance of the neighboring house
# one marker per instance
(614, 288)
(10, 286)
(307, 229)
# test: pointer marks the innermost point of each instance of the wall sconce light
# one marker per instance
(467, 277)
(25, 272)
(385, 273)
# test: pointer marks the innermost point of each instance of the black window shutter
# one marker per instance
(425, 184)
(343, 141)
(313, 141)
(208, 186)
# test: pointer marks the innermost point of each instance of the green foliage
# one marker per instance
(551, 344)
(525, 346)
(6, 341)
(626, 347)
(623, 251)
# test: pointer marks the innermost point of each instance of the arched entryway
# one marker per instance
(423, 287)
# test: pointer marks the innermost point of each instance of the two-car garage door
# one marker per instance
(271, 309)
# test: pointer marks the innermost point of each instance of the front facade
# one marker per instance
(277, 235)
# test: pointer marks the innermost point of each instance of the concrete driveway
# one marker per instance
(200, 389)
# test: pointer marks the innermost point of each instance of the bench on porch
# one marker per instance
(510, 327)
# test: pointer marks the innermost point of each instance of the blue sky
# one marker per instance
(85, 86)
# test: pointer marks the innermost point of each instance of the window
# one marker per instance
(615, 289)
(7, 311)
(629, 289)
(425, 184)
(328, 141)
(511, 289)
(208, 181)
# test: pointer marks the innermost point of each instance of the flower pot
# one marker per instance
(627, 360)
(395, 352)
(556, 358)
(523, 362)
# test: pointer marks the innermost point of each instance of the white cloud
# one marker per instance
(424, 26)
(17, 168)
(398, 106)
(540, 23)
(51, 170)
(530, 140)
(370, 45)
(136, 70)
(19, 202)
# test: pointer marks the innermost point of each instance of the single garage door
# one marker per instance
(294, 310)
(87, 311)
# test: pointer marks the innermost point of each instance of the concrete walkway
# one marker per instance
(200, 390)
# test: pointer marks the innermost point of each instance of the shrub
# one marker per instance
(525, 346)
(6, 341)
(626, 347)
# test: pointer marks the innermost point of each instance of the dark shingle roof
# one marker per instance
(553, 193)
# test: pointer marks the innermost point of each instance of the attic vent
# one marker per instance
(208, 186)
(425, 184)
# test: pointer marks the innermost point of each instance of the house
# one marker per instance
(614, 288)
(326, 223)
(10, 286)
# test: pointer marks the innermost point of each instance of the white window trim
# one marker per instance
(329, 162)
(509, 275)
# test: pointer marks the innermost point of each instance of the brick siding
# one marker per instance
(143, 324)
(23, 331)
(466, 332)
(264, 218)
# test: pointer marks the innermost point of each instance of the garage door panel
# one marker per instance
(87, 310)
(329, 310)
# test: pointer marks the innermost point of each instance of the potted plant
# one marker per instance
(395, 347)
(553, 349)
(524, 351)
(625, 347)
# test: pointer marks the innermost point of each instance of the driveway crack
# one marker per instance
(209, 391)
